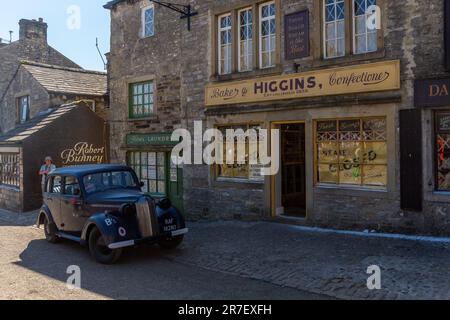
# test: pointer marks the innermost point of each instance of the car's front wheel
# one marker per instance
(100, 251)
(171, 243)
(50, 231)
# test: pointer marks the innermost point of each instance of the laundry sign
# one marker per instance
(372, 77)
(83, 153)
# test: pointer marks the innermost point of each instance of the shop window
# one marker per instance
(150, 168)
(443, 151)
(362, 25)
(267, 40)
(245, 170)
(141, 100)
(24, 109)
(10, 169)
(148, 21)
(352, 152)
(245, 40)
(225, 44)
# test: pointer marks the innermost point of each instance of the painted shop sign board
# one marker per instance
(150, 139)
(372, 77)
(432, 92)
(83, 153)
(297, 35)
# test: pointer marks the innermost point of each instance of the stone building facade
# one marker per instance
(339, 93)
(39, 87)
(32, 46)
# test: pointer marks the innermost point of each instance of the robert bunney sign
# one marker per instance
(83, 153)
(371, 77)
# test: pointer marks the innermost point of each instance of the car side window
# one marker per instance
(56, 184)
(71, 186)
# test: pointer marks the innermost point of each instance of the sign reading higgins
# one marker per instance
(372, 77)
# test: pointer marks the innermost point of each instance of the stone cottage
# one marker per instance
(335, 77)
(32, 46)
(37, 87)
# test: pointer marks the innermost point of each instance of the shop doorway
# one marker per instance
(293, 170)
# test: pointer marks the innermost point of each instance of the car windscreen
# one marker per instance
(104, 181)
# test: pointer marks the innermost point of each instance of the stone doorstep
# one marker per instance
(383, 229)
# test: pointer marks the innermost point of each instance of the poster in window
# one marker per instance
(350, 174)
(350, 152)
(375, 175)
(173, 174)
(375, 153)
(328, 152)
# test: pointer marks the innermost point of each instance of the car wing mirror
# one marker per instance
(142, 184)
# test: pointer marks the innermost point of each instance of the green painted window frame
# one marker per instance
(150, 104)
(135, 161)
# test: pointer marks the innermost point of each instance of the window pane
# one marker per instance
(375, 175)
(328, 173)
(352, 152)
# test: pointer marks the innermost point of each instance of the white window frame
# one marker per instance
(219, 42)
(21, 113)
(144, 21)
(324, 27)
(261, 20)
(366, 32)
(240, 53)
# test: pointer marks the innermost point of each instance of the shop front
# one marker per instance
(432, 101)
(149, 154)
(337, 144)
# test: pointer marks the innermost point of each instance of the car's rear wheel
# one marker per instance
(171, 243)
(50, 231)
(100, 251)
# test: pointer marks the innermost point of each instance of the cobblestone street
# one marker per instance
(264, 260)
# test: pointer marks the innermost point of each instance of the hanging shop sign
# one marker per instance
(432, 92)
(150, 139)
(83, 153)
(296, 35)
(372, 77)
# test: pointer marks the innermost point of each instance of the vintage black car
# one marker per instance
(103, 207)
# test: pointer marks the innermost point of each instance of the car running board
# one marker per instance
(68, 237)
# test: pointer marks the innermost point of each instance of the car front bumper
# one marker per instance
(131, 243)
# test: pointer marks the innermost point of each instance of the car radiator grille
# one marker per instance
(145, 211)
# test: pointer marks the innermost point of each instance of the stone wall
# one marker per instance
(412, 33)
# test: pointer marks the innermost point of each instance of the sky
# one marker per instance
(73, 26)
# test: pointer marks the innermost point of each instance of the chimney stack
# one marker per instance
(32, 29)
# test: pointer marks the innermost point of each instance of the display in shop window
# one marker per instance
(443, 151)
(352, 152)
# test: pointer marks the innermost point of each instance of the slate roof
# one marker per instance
(68, 80)
(23, 131)
(109, 5)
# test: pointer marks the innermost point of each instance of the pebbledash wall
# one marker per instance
(183, 67)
